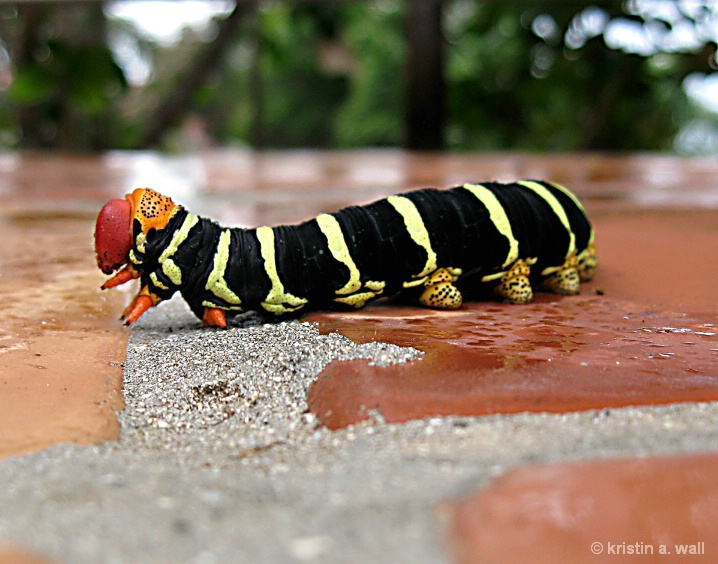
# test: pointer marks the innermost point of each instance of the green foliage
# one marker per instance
(91, 76)
(299, 99)
(86, 74)
(327, 77)
(487, 62)
(372, 111)
(69, 90)
(32, 84)
(331, 75)
(509, 88)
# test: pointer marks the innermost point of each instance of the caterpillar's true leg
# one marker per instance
(566, 280)
(142, 302)
(440, 292)
(125, 275)
(515, 286)
(214, 317)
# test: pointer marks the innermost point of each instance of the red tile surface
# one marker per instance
(594, 512)
(61, 344)
(636, 344)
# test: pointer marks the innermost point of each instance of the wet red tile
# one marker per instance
(61, 344)
(664, 260)
(634, 345)
(603, 511)
(554, 355)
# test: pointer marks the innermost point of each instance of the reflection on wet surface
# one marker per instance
(11, 555)
(49, 276)
(557, 354)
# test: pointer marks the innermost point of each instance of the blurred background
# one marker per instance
(461, 75)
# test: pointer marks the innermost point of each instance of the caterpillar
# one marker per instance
(433, 247)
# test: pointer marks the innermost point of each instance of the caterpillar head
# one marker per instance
(114, 227)
(113, 239)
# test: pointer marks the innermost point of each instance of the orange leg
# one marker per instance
(142, 302)
(214, 317)
(125, 275)
(138, 306)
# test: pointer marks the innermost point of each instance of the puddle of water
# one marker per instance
(557, 354)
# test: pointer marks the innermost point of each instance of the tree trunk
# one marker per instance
(424, 83)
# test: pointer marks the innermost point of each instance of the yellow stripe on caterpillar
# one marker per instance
(417, 230)
(215, 281)
(156, 282)
(498, 217)
(375, 285)
(277, 301)
(332, 231)
(357, 300)
(550, 199)
(207, 303)
(171, 270)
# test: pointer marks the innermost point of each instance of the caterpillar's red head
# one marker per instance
(113, 237)
(113, 230)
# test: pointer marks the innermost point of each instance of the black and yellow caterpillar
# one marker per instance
(437, 247)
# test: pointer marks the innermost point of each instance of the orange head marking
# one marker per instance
(151, 209)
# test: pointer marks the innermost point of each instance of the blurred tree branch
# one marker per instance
(178, 100)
